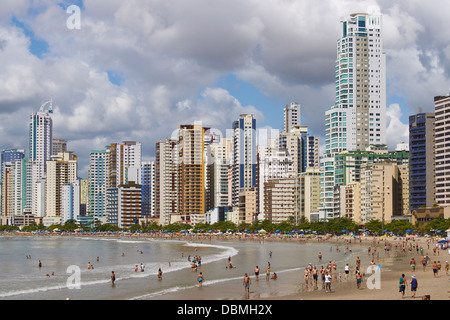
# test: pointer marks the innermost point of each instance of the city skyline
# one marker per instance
(260, 64)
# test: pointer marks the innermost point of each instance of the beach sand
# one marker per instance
(290, 285)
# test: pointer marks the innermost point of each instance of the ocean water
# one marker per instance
(64, 273)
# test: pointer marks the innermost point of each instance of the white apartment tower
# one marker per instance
(358, 117)
(40, 147)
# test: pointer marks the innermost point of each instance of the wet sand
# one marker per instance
(290, 285)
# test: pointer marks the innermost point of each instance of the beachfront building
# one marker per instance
(442, 129)
(384, 192)
(248, 205)
(281, 199)
(244, 155)
(129, 204)
(70, 201)
(61, 169)
(14, 188)
(165, 181)
(148, 188)
(422, 160)
(308, 193)
(190, 164)
(218, 169)
(358, 117)
(98, 176)
(40, 148)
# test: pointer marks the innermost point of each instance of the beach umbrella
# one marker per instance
(345, 230)
(443, 241)
(409, 230)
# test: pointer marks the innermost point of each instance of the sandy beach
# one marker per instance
(394, 263)
(291, 285)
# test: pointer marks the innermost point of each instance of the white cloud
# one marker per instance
(397, 131)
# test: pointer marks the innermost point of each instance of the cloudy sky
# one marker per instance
(137, 69)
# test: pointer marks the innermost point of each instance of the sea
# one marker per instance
(64, 272)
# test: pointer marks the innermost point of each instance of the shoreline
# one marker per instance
(290, 285)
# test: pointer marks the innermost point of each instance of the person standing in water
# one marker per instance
(113, 278)
(200, 279)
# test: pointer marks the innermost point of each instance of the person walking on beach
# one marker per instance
(434, 267)
(346, 271)
(424, 263)
(412, 262)
(358, 280)
(327, 282)
(246, 283)
(414, 286)
(402, 285)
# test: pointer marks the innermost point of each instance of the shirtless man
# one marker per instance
(257, 272)
(246, 283)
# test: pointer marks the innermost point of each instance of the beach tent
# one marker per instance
(262, 231)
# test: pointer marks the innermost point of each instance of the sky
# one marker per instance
(137, 69)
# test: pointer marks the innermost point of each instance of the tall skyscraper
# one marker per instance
(98, 175)
(244, 155)
(40, 147)
(165, 181)
(191, 171)
(422, 160)
(442, 129)
(358, 117)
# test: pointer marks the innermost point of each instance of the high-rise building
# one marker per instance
(148, 188)
(422, 160)
(98, 176)
(291, 116)
(384, 192)
(190, 162)
(165, 181)
(244, 155)
(442, 129)
(40, 147)
(358, 116)
(62, 169)
(129, 204)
